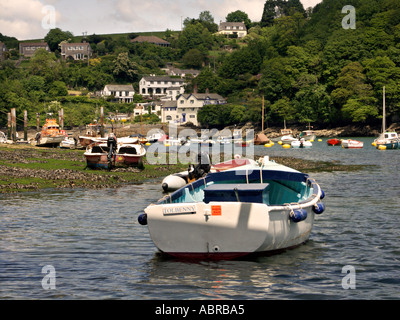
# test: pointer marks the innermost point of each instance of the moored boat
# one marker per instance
(254, 209)
(92, 134)
(301, 143)
(113, 154)
(334, 142)
(307, 135)
(352, 144)
(3, 137)
(261, 139)
(388, 140)
(50, 135)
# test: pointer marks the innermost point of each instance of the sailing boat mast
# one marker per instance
(384, 112)
(262, 116)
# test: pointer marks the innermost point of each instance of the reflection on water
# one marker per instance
(99, 251)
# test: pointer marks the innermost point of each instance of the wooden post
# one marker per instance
(37, 122)
(102, 121)
(262, 116)
(25, 125)
(14, 124)
(9, 126)
(61, 115)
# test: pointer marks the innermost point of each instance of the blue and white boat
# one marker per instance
(259, 208)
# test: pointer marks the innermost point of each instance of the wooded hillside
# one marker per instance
(306, 65)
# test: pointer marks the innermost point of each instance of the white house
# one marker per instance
(233, 29)
(122, 93)
(162, 87)
(189, 104)
(146, 108)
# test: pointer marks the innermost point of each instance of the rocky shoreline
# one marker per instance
(27, 168)
(271, 132)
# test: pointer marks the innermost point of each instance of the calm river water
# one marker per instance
(97, 250)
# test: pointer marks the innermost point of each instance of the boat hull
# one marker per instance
(301, 144)
(126, 156)
(389, 145)
(352, 144)
(100, 161)
(225, 230)
(49, 141)
(334, 142)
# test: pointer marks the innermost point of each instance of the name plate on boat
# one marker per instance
(179, 209)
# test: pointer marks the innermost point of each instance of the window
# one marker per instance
(181, 101)
(169, 118)
(191, 101)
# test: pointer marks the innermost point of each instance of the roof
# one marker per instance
(26, 44)
(119, 87)
(204, 96)
(150, 39)
(161, 78)
(223, 25)
(75, 44)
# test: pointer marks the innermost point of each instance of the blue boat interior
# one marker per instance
(258, 186)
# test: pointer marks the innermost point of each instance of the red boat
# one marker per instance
(334, 142)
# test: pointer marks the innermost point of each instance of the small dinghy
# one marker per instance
(301, 144)
(253, 209)
(352, 144)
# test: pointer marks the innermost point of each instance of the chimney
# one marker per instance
(195, 88)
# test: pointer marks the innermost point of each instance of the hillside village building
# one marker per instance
(188, 105)
(151, 39)
(27, 49)
(3, 49)
(161, 87)
(181, 111)
(121, 93)
(236, 29)
(76, 51)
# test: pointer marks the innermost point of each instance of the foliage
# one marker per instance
(306, 66)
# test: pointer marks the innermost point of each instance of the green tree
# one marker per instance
(351, 83)
(125, 70)
(55, 36)
(239, 16)
(58, 89)
(269, 13)
(193, 59)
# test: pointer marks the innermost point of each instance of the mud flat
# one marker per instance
(28, 168)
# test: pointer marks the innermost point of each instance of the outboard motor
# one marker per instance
(202, 168)
(112, 145)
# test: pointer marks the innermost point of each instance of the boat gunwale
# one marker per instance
(266, 175)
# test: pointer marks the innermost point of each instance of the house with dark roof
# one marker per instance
(27, 49)
(151, 39)
(188, 105)
(75, 51)
(121, 93)
(236, 29)
(162, 87)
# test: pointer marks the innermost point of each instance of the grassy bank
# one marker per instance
(27, 168)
